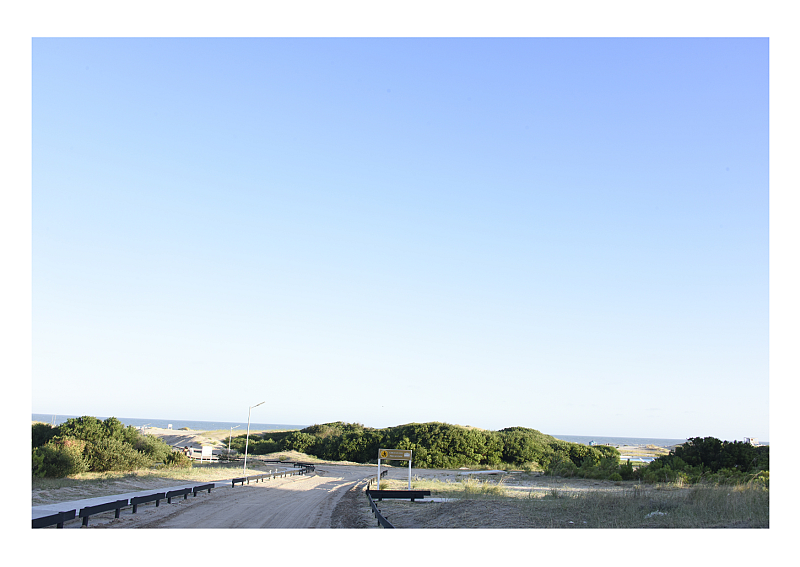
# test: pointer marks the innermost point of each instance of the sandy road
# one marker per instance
(294, 502)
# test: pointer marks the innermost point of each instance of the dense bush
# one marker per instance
(299, 441)
(112, 454)
(710, 460)
(176, 459)
(87, 444)
(521, 445)
(561, 465)
(59, 458)
(626, 471)
(439, 445)
(41, 433)
(715, 454)
(153, 447)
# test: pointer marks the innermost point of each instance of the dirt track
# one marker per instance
(294, 502)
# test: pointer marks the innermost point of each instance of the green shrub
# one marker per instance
(155, 449)
(298, 441)
(258, 446)
(38, 463)
(60, 457)
(111, 454)
(87, 444)
(86, 428)
(177, 459)
(41, 433)
(626, 471)
(708, 459)
(607, 451)
(561, 465)
(616, 477)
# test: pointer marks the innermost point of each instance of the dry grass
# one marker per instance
(462, 487)
(626, 506)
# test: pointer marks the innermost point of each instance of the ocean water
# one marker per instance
(176, 423)
(586, 439)
(600, 440)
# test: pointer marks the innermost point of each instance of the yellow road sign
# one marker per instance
(395, 454)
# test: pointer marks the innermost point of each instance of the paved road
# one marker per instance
(294, 502)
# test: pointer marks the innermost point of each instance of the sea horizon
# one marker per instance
(192, 424)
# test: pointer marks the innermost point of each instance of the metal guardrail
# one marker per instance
(158, 497)
(303, 469)
(180, 492)
(382, 520)
(375, 478)
(115, 504)
(412, 494)
(92, 510)
(381, 494)
(58, 519)
(201, 488)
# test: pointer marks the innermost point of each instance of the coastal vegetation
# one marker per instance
(707, 459)
(86, 444)
(442, 445)
(434, 445)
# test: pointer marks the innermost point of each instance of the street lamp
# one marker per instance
(247, 439)
(229, 440)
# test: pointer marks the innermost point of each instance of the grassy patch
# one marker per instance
(464, 487)
(663, 507)
(628, 506)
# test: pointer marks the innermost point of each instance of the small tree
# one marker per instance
(626, 470)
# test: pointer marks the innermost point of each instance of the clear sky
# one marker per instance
(565, 234)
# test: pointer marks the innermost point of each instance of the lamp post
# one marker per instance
(247, 439)
(229, 440)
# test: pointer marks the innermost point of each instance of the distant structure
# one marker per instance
(751, 440)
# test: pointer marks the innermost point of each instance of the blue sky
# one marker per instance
(565, 234)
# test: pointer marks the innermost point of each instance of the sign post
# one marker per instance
(394, 455)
